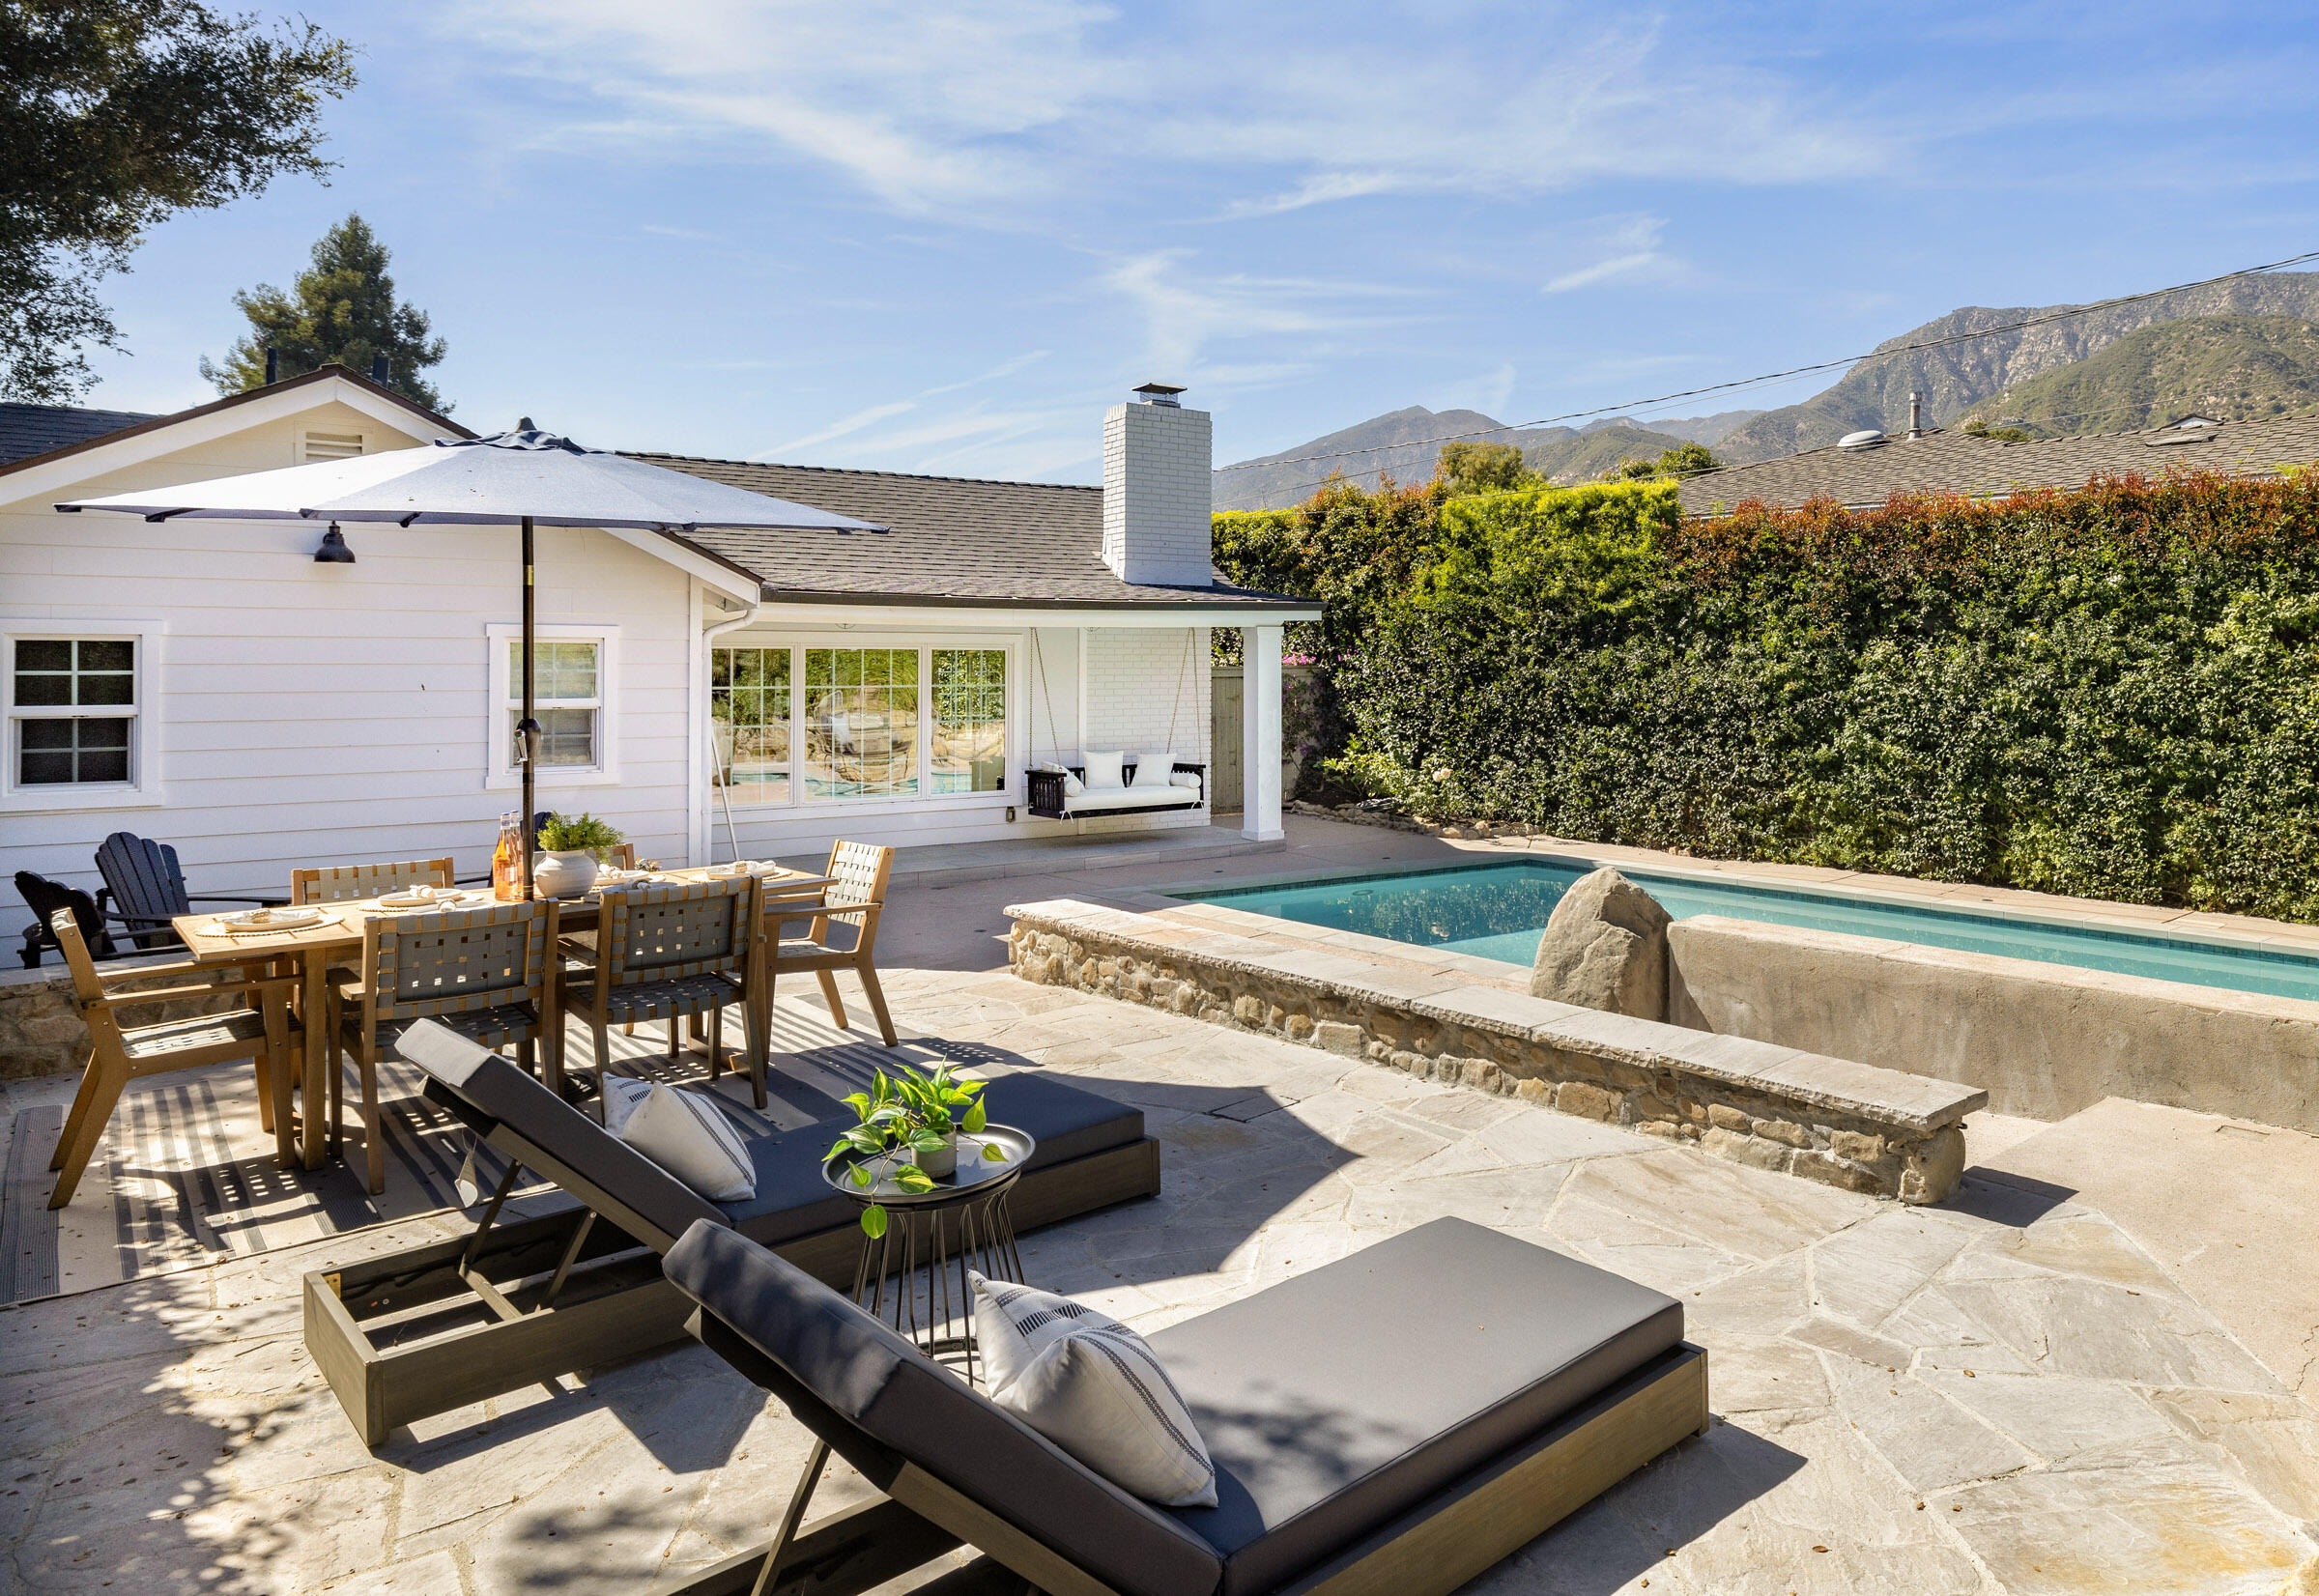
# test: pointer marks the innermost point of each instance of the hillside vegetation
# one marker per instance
(1956, 378)
(2113, 693)
(2232, 368)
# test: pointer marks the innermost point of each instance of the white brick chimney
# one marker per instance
(1156, 459)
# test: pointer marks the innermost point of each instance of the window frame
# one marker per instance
(500, 771)
(143, 789)
(798, 805)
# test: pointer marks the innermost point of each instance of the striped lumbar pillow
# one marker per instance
(684, 1134)
(1091, 1386)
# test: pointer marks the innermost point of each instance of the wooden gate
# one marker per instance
(1223, 741)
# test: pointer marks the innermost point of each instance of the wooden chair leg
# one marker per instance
(829, 992)
(878, 1000)
(603, 1068)
(265, 1069)
(77, 1155)
(526, 1054)
(373, 1145)
(280, 1071)
(80, 1107)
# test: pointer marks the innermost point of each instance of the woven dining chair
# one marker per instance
(663, 953)
(119, 1054)
(338, 883)
(485, 972)
(858, 874)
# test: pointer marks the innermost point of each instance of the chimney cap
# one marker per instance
(1157, 393)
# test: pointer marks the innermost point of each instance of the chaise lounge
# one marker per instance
(1391, 1424)
(570, 1290)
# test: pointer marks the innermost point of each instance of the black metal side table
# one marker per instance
(914, 1276)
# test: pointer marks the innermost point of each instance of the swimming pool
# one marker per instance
(1499, 911)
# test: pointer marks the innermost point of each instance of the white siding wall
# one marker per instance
(314, 713)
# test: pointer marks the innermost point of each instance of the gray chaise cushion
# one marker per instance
(1339, 1399)
(791, 1198)
(915, 1407)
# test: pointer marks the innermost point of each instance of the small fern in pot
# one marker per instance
(908, 1134)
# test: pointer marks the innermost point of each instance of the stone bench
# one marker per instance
(1830, 1120)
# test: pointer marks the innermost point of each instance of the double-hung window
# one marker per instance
(573, 673)
(74, 707)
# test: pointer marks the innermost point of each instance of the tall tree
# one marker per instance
(1470, 467)
(113, 115)
(342, 308)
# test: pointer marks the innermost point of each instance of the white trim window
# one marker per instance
(818, 722)
(79, 729)
(575, 672)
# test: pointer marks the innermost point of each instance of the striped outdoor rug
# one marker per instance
(186, 1177)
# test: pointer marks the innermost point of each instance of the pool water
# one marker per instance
(1500, 912)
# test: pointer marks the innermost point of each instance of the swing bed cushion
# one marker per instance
(1052, 799)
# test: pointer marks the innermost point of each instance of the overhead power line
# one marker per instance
(1781, 376)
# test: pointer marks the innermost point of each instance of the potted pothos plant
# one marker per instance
(908, 1134)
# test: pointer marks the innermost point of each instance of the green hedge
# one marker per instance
(2113, 693)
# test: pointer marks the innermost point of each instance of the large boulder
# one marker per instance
(1605, 948)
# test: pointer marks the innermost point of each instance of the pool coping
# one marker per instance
(2142, 921)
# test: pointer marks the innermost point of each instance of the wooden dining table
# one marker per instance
(314, 947)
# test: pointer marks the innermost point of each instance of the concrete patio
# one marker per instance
(2091, 1369)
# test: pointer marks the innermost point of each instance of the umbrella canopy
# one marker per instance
(504, 480)
(521, 479)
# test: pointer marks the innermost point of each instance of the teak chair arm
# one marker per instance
(164, 994)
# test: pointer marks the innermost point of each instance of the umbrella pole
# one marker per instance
(527, 730)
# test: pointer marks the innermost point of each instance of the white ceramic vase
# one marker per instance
(563, 875)
(943, 1162)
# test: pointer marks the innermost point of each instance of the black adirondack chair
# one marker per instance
(44, 897)
(147, 890)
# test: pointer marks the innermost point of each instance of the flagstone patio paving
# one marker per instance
(2005, 1393)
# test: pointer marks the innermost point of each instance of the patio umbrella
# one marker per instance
(521, 478)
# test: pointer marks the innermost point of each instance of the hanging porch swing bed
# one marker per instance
(1066, 792)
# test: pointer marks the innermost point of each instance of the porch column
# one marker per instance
(1260, 733)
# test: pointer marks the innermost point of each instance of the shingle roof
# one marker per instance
(27, 430)
(1959, 461)
(954, 540)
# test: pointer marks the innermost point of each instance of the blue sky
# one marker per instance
(943, 237)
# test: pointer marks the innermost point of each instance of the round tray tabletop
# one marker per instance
(976, 1176)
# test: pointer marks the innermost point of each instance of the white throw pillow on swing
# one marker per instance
(1103, 770)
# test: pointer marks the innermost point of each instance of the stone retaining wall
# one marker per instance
(41, 1029)
(1825, 1119)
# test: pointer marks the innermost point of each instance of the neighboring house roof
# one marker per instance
(1962, 463)
(134, 422)
(27, 430)
(953, 541)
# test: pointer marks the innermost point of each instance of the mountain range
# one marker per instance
(2230, 350)
(2231, 368)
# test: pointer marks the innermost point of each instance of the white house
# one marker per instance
(214, 685)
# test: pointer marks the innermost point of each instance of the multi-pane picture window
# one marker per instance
(970, 720)
(568, 690)
(72, 710)
(861, 723)
(749, 695)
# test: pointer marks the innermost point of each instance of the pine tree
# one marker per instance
(342, 309)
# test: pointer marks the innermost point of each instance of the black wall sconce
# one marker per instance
(333, 550)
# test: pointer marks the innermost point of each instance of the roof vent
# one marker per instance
(1158, 393)
(1860, 439)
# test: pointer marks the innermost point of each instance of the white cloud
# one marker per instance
(1625, 248)
(1185, 311)
(961, 424)
(1003, 110)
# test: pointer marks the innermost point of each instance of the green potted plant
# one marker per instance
(571, 848)
(909, 1132)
